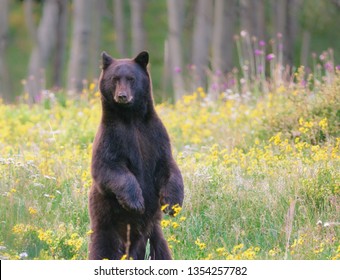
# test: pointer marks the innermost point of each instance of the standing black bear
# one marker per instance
(133, 170)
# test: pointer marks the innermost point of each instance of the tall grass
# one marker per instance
(261, 171)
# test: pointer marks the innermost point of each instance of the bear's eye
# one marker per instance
(130, 79)
(115, 79)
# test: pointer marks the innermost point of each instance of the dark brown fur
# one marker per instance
(132, 168)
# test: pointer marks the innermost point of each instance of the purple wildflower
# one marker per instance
(218, 73)
(231, 82)
(270, 56)
(214, 86)
(38, 98)
(337, 67)
(262, 43)
(177, 69)
(258, 52)
(260, 68)
(329, 66)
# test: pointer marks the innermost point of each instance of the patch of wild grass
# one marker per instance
(261, 175)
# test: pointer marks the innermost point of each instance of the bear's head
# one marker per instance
(125, 84)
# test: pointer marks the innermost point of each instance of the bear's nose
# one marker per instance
(122, 97)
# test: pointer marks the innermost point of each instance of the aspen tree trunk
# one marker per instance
(223, 33)
(174, 48)
(245, 16)
(137, 26)
(291, 30)
(80, 48)
(5, 93)
(252, 17)
(60, 43)
(201, 39)
(259, 19)
(286, 24)
(96, 34)
(45, 42)
(118, 10)
(222, 47)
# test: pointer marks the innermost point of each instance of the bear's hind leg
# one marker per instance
(159, 249)
(105, 244)
(138, 249)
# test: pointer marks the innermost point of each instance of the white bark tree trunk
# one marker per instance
(286, 23)
(175, 48)
(45, 42)
(80, 48)
(223, 33)
(60, 43)
(4, 74)
(252, 17)
(96, 34)
(201, 40)
(137, 26)
(118, 10)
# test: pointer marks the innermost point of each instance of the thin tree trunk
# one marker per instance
(118, 10)
(286, 25)
(32, 29)
(60, 43)
(4, 73)
(246, 16)
(222, 54)
(28, 10)
(96, 39)
(279, 14)
(291, 30)
(46, 38)
(80, 49)
(201, 40)
(253, 17)
(175, 48)
(138, 32)
(258, 19)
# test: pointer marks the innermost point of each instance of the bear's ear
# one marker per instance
(106, 60)
(142, 59)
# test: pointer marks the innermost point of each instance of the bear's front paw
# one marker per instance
(136, 206)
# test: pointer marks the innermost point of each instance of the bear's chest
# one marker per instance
(136, 146)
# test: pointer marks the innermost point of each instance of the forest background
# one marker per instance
(56, 44)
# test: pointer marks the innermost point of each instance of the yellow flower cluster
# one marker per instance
(201, 245)
(237, 252)
(75, 241)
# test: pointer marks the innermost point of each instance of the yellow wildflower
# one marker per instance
(182, 219)
(220, 251)
(32, 211)
(176, 209)
(323, 123)
(200, 244)
(165, 223)
(164, 207)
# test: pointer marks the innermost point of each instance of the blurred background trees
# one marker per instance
(55, 44)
